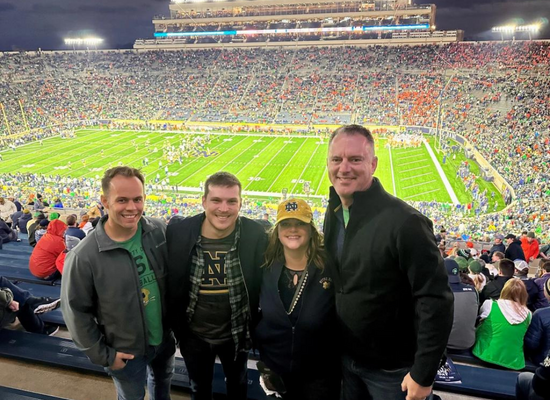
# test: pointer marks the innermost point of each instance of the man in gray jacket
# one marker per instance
(113, 292)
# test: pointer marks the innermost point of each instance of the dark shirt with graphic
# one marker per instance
(212, 317)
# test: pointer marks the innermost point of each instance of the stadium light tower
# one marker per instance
(513, 29)
(86, 42)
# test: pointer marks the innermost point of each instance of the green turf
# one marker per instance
(264, 164)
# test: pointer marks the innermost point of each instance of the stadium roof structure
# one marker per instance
(264, 23)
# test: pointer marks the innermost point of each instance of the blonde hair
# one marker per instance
(515, 291)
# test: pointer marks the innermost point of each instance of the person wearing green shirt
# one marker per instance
(113, 292)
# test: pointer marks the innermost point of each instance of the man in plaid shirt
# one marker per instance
(214, 283)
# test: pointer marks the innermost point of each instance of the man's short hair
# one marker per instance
(222, 179)
(545, 265)
(506, 267)
(499, 254)
(71, 219)
(352, 130)
(123, 170)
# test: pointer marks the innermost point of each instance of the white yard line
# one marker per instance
(253, 159)
(410, 162)
(305, 168)
(414, 169)
(287, 165)
(392, 174)
(411, 156)
(448, 186)
(207, 164)
(415, 176)
(266, 164)
(420, 184)
(420, 194)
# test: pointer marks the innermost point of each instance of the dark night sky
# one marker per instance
(30, 24)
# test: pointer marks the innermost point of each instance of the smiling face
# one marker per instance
(221, 206)
(294, 234)
(124, 202)
(351, 164)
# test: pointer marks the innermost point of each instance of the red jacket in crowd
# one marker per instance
(48, 248)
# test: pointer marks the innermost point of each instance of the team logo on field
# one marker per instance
(293, 206)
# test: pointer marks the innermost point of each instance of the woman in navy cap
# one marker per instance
(297, 331)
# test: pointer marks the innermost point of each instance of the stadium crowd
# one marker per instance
(493, 94)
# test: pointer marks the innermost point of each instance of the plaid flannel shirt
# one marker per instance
(238, 294)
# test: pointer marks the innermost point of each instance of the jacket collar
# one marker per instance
(363, 202)
(105, 243)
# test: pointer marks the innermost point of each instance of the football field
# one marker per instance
(265, 164)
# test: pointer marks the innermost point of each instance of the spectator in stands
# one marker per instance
(86, 224)
(537, 338)
(513, 251)
(544, 269)
(70, 243)
(497, 256)
(33, 226)
(7, 209)
(16, 302)
(41, 229)
(530, 247)
(499, 337)
(42, 261)
(440, 237)
(117, 320)
(299, 319)
(388, 274)
(463, 270)
(6, 233)
(493, 288)
(84, 219)
(536, 297)
(466, 306)
(475, 268)
(16, 202)
(24, 220)
(535, 386)
(57, 203)
(38, 203)
(72, 229)
(215, 277)
(15, 219)
(497, 245)
(96, 211)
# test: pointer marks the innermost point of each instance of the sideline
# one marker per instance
(392, 174)
(448, 186)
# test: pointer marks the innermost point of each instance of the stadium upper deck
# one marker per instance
(254, 23)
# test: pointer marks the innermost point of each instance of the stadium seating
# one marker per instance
(7, 393)
(63, 353)
(14, 263)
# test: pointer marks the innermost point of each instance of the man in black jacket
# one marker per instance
(497, 245)
(513, 251)
(493, 288)
(215, 276)
(392, 294)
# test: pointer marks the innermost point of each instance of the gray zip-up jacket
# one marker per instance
(101, 295)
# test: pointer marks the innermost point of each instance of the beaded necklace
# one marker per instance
(298, 293)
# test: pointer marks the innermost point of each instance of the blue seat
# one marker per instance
(55, 316)
(17, 394)
(23, 275)
(482, 382)
(466, 356)
(63, 353)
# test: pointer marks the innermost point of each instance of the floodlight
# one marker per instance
(88, 41)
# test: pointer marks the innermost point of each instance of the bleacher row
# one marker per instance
(478, 379)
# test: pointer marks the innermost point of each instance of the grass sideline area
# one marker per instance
(265, 164)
